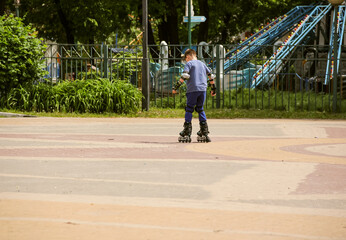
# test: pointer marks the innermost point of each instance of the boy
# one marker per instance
(195, 74)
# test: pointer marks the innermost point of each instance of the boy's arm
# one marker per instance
(184, 76)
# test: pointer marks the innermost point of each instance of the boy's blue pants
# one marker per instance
(195, 101)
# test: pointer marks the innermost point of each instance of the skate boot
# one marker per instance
(185, 135)
(202, 134)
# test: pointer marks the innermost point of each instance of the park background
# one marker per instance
(87, 40)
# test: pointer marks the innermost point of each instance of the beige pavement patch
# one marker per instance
(267, 180)
(25, 219)
(271, 149)
(337, 150)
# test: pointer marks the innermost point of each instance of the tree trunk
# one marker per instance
(168, 29)
(224, 30)
(172, 32)
(163, 31)
(172, 22)
(2, 7)
(204, 26)
(151, 41)
(64, 21)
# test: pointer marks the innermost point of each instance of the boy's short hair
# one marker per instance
(190, 52)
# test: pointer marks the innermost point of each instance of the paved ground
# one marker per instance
(64, 178)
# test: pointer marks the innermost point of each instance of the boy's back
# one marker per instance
(198, 76)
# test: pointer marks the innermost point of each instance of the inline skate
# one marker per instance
(202, 134)
(185, 135)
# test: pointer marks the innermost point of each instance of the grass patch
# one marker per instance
(250, 99)
(211, 114)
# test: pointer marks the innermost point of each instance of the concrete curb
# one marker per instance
(7, 114)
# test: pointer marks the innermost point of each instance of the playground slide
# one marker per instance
(265, 36)
(341, 18)
(274, 65)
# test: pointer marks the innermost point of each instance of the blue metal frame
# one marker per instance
(340, 32)
(274, 65)
(268, 35)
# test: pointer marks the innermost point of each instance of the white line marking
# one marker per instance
(99, 180)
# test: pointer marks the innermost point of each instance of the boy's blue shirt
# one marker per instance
(198, 76)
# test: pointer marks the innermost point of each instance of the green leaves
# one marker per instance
(87, 21)
(91, 20)
(20, 54)
(126, 65)
(83, 96)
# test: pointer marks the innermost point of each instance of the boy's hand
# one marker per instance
(213, 88)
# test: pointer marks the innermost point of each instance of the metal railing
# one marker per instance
(294, 82)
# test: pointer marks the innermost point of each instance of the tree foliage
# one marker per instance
(85, 21)
(21, 54)
(89, 21)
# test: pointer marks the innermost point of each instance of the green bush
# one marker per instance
(82, 96)
(126, 65)
(21, 54)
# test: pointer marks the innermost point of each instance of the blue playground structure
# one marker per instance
(265, 36)
(275, 63)
(295, 26)
(287, 33)
(341, 17)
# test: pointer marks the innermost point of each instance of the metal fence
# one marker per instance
(302, 79)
